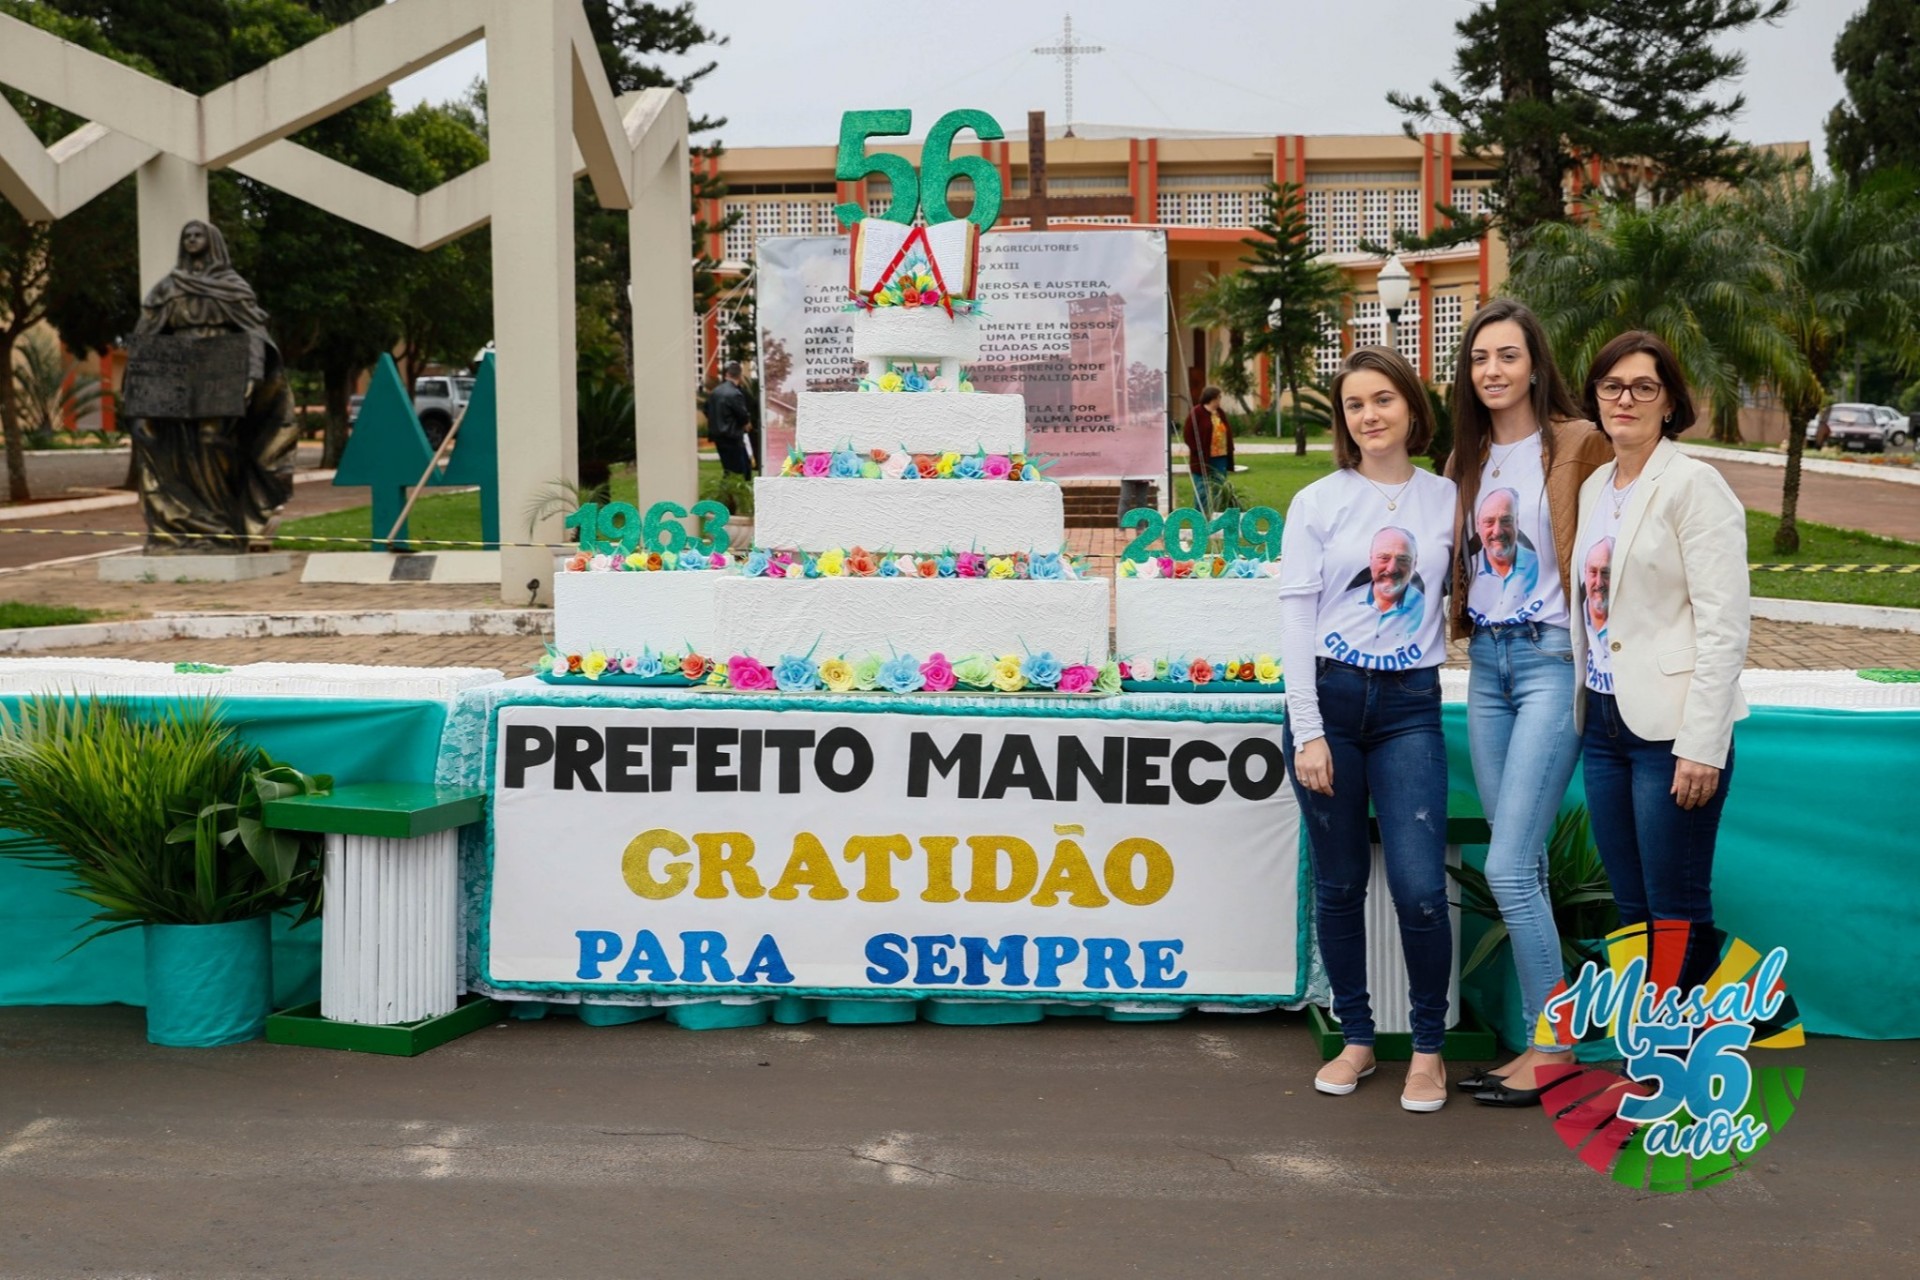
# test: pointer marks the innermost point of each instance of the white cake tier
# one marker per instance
(994, 516)
(767, 618)
(1174, 618)
(917, 421)
(633, 612)
(914, 333)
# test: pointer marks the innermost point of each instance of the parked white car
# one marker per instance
(1873, 428)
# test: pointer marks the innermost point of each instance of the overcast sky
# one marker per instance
(1266, 66)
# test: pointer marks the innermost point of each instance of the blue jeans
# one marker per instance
(1208, 483)
(1659, 857)
(1520, 726)
(1383, 729)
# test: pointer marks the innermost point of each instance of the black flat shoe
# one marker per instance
(1475, 1081)
(1500, 1094)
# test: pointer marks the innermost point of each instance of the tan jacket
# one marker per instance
(1578, 448)
(1679, 606)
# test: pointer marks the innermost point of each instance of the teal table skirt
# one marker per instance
(1816, 854)
(356, 740)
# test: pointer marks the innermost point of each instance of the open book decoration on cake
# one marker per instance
(871, 570)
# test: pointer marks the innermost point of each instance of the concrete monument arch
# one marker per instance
(552, 117)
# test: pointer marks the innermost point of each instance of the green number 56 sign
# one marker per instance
(938, 167)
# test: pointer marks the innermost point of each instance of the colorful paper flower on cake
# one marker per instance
(866, 672)
(976, 672)
(692, 559)
(1266, 670)
(1140, 669)
(831, 563)
(927, 568)
(901, 674)
(1175, 671)
(1108, 681)
(795, 674)
(861, 564)
(937, 672)
(646, 666)
(1007, 675)
(948, 461)
(1182, 569)
(594, 665)
(693, 666)
(845, 465)
(996, 466)
(891, 381)
(599, 563)
(1244, 569)
(816, 465)
(1046, 566)
(748, 674)
(1041, 669)
(1078, 678)
(913, 380)
(1000, 567)
(573, 662)
(757, 562)
(579, 563)
(870, 470)
(837, 674)
(946, 566)
(971, 467)
(889, 568)
(970, 564)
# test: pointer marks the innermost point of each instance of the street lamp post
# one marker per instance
(1394, 284)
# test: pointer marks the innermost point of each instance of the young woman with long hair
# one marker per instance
(1521, 451)
(1364, 560)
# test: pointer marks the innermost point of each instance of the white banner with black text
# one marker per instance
(671, 850)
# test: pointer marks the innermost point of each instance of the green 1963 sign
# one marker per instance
(938, 167)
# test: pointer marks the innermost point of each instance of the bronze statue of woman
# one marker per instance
(214, 484)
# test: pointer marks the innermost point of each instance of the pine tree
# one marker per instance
(1877, 128)
(1543, 85)
(632, 36)
(1277, 304)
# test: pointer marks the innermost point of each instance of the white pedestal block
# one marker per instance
(388, 950)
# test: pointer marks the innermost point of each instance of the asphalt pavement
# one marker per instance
(1067, 1148)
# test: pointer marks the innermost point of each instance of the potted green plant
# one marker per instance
(1583, 914)
(156, 814)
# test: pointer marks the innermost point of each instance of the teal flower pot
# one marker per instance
(208, 984)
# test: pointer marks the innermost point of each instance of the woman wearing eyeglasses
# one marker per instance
(1662, 635)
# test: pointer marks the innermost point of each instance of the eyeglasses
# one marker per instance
(1644, 390)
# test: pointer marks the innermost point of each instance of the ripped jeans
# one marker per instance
(1383, 728)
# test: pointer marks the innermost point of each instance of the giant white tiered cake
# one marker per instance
(908, 522)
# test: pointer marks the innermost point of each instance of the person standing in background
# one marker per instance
(1209, 450)
(730, 423)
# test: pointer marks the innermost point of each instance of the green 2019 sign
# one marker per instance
(938, 167)
(1253, 534)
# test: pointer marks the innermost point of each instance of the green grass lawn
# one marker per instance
(1271, 480)
(17, 613)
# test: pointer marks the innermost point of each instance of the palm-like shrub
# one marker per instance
(156, 814)
(1689, 271)
(44, 391)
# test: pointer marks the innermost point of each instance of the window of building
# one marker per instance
(1449, 321)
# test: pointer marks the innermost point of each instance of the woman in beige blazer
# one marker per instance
(1660, 560)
